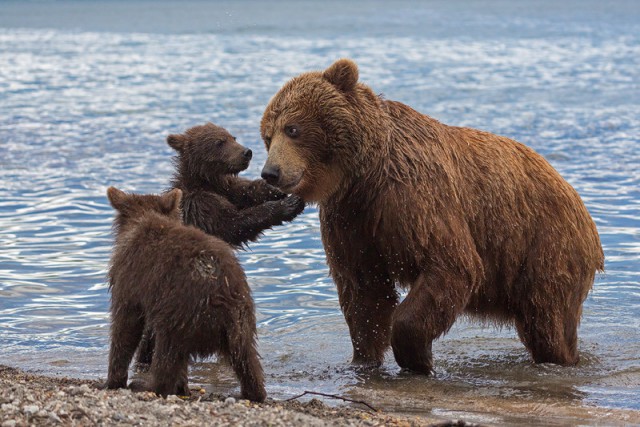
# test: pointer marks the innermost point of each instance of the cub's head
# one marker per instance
(207, 151)
(313, 130)
(130, 207)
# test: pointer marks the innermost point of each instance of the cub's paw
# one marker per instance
(111, 385)
(273, 193)
(254, 394)
(139, 385)
(292, 206)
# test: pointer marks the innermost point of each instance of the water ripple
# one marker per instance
(81, 111)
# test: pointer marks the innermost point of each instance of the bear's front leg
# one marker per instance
(145, 350)
(367, 309)
(429, 310)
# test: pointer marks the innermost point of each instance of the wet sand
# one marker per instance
(31, 399)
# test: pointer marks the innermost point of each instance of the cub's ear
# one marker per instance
(343, 74)
(177, 142)
(117, 198)
(170, 202)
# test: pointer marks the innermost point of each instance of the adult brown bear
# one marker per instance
(470, 222)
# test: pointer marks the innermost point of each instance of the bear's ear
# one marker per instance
(170, 202)
(343, 74)
(117, 198)
(176, 141)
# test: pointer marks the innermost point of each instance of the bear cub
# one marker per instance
(187, 287)
(215, 199)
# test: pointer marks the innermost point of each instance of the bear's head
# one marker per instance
(318, 131)
(131, 207)
(208, 151)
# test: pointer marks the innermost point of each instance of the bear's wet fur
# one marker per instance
(470, 222)
(215, 199)
(185, 285)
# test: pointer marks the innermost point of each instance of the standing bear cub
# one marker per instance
(470, 222)
(183, 284)
(215, 199)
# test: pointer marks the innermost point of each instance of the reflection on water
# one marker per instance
(80, 111)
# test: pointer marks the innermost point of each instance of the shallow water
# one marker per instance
(89, 91)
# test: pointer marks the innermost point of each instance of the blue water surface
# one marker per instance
(90, 90)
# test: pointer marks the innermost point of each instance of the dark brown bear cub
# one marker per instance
(184, 285)
(215, 199)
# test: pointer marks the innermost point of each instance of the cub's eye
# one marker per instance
(219, 142)
(292, 131)
(267, 141)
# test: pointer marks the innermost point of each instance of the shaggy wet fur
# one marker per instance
(216, 200)
(187, 287)
(468, 221)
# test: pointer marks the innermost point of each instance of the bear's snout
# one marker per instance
(271, 174)
(247, 154)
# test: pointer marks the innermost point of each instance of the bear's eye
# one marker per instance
(219, 142)
(292, 131)
(267, 141)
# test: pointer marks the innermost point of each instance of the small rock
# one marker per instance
(118, 417)
(7, 407)
(42, 413)
(230, 401)
(78, 391)
(9, 423)
(55, 418)
(30, 409)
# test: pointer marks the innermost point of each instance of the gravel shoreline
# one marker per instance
(29, 399)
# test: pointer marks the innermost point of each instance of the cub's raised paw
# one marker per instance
(292, 207)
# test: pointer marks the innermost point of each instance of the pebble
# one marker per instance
(230, 401)
(9, 423)
(54, 417)
(30, 409)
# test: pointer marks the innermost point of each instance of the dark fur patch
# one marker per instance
(185, 286)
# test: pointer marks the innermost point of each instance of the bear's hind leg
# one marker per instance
(428, 311)
(243, 356)
(550, 333)
(126, 329)
(169, 366)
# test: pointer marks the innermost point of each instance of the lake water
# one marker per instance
(89, 91)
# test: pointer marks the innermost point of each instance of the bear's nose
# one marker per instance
(271, 174)
(247, 154)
